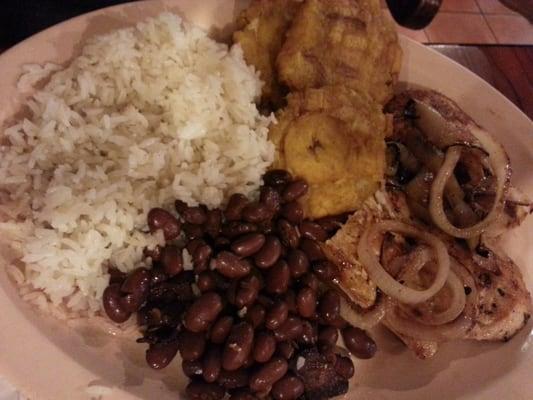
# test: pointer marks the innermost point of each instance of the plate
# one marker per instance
(47, 360)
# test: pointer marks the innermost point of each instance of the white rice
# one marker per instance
(143, 116)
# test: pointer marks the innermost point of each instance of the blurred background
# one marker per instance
(458, 22)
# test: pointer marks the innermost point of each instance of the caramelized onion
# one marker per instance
(363, 319)
(368, 255)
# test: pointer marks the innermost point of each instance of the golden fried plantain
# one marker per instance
(348, 42)
(334, 138)
(261, 32)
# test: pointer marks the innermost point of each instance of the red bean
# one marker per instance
(312, 249)
(238, 346)
(344, 367)
(328, 336)
(288, 233)
(206, 281)
(221, 329)
(358, 342)
(330, 306)
(192, 369)
(278, 278)
(238, 228)
(191, 345)
(256, 315)
(193, 231)
(271, 198)
(298, 263)
(277, 177)
(277, 315)
(306, 302)
(293, 212)
(288, 388)
(242, 394)
(248, 291)
(286, 350)
(264, 347)
(203, 312)
(290, 299)
(325, 270)
(268, 374)
(180, 206)
(291, 329)
(195, 215)
(312, 230)
(213, 222)
(201, 257)
(212, 364)
(256, 212)
(162, 219)
(135, 288)
(231, 266)
(193, 244)
(154, 254)
(248, 245)
(197, 390)
(332, 223)
(233, 379)
(310, 280)
(235, 206)
(294, 190)
(112, 304)
(159, 355)
(309, 335)
(172, 260)
(269, 253)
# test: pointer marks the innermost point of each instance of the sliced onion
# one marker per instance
(364, 320)
(500, 167)
(368, 255)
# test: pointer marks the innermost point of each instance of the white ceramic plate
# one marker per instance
(47, 360)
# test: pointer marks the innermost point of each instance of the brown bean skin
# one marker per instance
(328, 335)
(306, 300)
(238, 346)
(172, 260)
(325, 270)
(310, 280)
(278, 278)
(359, 343)
(332, 223)
(290, 299)
(198, 390)
(192, 369)
(203, 312)
(271, 198)
(233, 379)
(277, 177)
(201, 257)
(256, 212)
(242, 394)
(344, 367)
(235, 206)
(212, 364)
(294, 190)
(288, 233)
(191, 345)
(162, 219)
(237, 228)
(248, 291)
(256, 315)
(213, 222)
(288, 388)
(269, 253)
(180, 206)
(159, 355)
(312, 249)
(309, 335)
(298, 263)
(112, 305)
(264, 347)
(277, 315)
(312, 230)
(154, 254)
(194, 215)
(268, 374)
(193, 231)
(248, 245)
(231, 266)
(221, 329)
(330, 306)
(206, 282)
(135, 289)
(293, 212)
(291, 329)
(285, 349)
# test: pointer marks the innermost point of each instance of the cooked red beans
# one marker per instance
(203, 312)
(251, 304)
(359, 343)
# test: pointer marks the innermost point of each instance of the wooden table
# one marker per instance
(508, 68)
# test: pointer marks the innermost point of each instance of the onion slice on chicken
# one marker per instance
(364, 320)
(368, 255)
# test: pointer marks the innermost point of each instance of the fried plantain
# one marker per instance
(261, 32)
(334, 138)
(348, 42)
